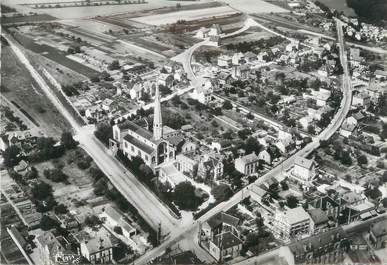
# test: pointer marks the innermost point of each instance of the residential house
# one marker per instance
(361, 99)
(22, 168)
(264, 156)
(68, 221)
(210, 167)
(224, 78)
(107, 104)
(50, 246)
(381, 75)
(304, 170)
(165, 80)
(94, 112)
(378, 234)
(186, 163)
(326, 248)
(215, 30)
(320, 220)
(224, 61)
(247, 164)
(330, 206)
(112, 217)
(237, 58)
(97, 250)
(347, 129)
(202, 33)
(220, 237)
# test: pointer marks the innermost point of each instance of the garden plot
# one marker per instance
(173, 17)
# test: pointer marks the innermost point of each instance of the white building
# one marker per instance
(304, 170)
(224, 61)
(247, 164)
(292, 224)
(114, 218)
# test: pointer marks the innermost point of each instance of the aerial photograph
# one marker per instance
(147, 132)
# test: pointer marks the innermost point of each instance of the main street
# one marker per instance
(147, 204)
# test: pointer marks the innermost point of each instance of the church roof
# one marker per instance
(140, 145)
(129, 125)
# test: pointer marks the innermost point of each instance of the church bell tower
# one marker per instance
(157, 120)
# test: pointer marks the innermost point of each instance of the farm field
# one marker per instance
(21, 88)
(173, 17)
(255, 6)
(55, 55)
(92, 11)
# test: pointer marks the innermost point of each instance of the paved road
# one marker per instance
(147, 204)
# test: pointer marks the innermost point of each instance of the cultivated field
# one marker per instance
(173, 17)
(254, 6)
(92, 11)
(26, 93)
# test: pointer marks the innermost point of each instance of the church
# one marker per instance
(155, 148)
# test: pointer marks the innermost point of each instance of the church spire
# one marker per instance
(157, 120)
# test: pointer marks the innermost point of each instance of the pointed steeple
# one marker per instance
(157, 120)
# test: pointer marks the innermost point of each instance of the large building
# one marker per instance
(247, 164)
(292, 224)
(154, 147)
(220, 237)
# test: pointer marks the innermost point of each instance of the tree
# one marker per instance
(362, 160)
(250, 116)
(115, 65)
(384, 202)
(92, 221)
(104, 132)
(184, 196)
(222, 192)
(252, 145)
(292, 201)
(100, 187)
(118, 230)
(68, 141)
(348, 178)
(284, 185)
(46, 223)
(384, 177)
(373, 193)
(11, 156)
(311, 129)
(227, 105)
(346, 158)
(61, 209)
(41, 191)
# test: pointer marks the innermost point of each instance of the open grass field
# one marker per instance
(173, 17)
(22, 89)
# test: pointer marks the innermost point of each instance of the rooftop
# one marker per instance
(129, 125)
(221, 218)
(250, 158)
(303, 162)
(226, 240)
(296, 215)
(140, 145)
